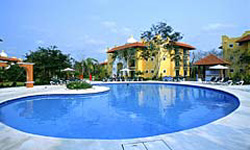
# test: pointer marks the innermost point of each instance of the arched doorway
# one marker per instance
(28, 67)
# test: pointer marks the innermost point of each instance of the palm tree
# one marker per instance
(91, 65)
(126, 54)
(87, 66)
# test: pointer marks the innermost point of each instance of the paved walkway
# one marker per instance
(229, 133)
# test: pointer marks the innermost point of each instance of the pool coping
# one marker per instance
(235, 126)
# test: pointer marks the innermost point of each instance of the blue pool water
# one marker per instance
(126, 111)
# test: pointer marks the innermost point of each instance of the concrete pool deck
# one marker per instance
(228, 133)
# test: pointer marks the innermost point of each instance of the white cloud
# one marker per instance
(94, 41)
(40, 42)
(126, 31)
(109, 24)
(86, 39)
(216, 26)
(113, 27)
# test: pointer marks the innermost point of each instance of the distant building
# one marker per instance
(104, 64)
(233, 49)
(168, 66)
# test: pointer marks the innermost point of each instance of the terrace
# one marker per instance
(210, 136)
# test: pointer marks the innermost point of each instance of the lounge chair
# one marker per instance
(226, 81)
(212, 79)
(165, 78)
(221, 80)
(55, 81)
(104, 79)
(217, 79)
(168, 78)
(240, 82)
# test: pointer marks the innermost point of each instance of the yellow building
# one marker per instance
(233, 49)
(166, 64)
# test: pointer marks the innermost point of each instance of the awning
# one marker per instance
(218, 67)
(68, 69)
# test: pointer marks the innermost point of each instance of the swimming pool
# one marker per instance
(126, 111)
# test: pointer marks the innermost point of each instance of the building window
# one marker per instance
(164, 71)
(231, 45)
(185, 72)
(185, 61)
(164, 58)
(177, 73)
(146, 71)
(152, 59)
(231, 70)
(177, 63)
(132, 63)
(152, 71)
(185, 52)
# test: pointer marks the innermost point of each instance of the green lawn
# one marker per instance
(9, 84)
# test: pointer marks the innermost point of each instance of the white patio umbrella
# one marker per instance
(68, 69)
(218, 67)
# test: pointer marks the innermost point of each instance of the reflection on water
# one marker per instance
(126, 111)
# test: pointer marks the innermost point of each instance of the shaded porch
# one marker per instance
(204, 65)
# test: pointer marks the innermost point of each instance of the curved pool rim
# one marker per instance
(204, 86)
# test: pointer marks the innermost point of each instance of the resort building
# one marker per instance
(234, 49)
(165, 65)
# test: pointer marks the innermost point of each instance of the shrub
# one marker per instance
(246, 79)
(78, 85)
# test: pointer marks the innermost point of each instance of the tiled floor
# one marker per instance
(147, 145)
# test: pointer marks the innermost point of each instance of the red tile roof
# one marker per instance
(184, 45)
(10, 59)
(244, 39)
(139, 44)
(211, 60)
(104, 63)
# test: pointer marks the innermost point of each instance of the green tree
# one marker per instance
(127, 54)
(12, 74)
(87, 66)
(91, 65)
(102, 72)
(48, 63)
(161, 36)
(245, 58)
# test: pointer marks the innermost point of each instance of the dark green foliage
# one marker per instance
(86, 66)
(12, 76)
(246, 79)
(78, 85)
(48, 63)
(90, 65)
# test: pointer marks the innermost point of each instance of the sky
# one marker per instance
(86, 28)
